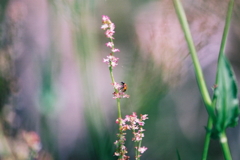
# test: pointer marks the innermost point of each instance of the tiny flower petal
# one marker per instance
(115, 50)
(114, 64)
(104, 26)
(105, 60)
(117, 154)
(144, 117)
(141, 123)
(112, 26)
(126, 95)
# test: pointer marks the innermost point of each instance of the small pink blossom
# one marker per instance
(112, 26)
(138, 137)
(109, 33)
(144, 117)
(115, 50)
(117, 121)
(134, 127)
(141, 123)
(104, 26)
(117, 154)
(111, 61)
(142, 149)
(106, 19)
(116, 85)
(141, 129)
(110, 44)
(125, 95)
(134, 114)
(116, 95)
(114, 64)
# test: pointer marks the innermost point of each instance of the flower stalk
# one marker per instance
(131, 122)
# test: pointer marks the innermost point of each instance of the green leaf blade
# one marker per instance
(226, 97)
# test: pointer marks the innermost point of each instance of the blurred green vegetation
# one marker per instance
(77, 46)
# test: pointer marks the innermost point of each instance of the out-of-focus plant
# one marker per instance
(223, 107)
(32, 140)
(131, 122)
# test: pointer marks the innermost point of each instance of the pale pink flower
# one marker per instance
(104, 26)
(115, 50)
(125, 95)
(117, 154)
(142, 149)
(144, 117)
(110, 44)
(114, 64)
(112, 26)
(116, 95)
(141, 123)
(109, 33)
(141, 129)
(106, 19)
(116, 85)
(111, 61)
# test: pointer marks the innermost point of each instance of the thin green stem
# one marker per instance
(198, 71)
(226, 28)
(199, 74)
(207, 138)
(113, 81)
(225, 147)
(136, 151)
(223, 137)
(225, 33)
(139, 146)
(118, 100)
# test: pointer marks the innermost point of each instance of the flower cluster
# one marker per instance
(107, 25)
(133, 123)
(120, 93)
(111, 60)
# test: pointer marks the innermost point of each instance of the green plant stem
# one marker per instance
(207, 138)
(198, 71)
(118, 100)
(222, 136)
(224, 144)
(225, 34)
(139, 146)
(199, 74)
(136, 151)
(226, 28)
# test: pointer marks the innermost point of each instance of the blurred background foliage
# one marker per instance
(53, 81)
